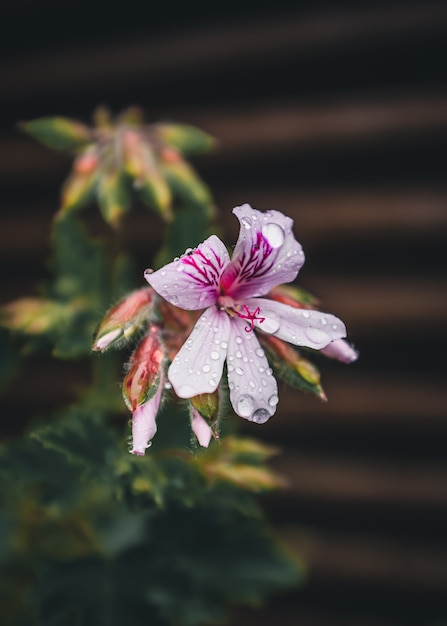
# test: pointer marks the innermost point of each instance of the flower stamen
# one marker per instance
(251, 317)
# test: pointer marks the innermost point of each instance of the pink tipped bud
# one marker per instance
(201, 429)
(340, 350)
(144, 424)
(124, 319)
(145, 370)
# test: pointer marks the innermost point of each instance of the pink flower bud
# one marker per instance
(200, 428)
(123, 319)
(144, 424)
(145, 371)
(340, 350)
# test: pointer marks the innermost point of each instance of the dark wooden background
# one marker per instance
(336, 114)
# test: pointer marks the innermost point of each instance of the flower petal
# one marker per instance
(144, 425)
(266, 254)
(201, 429)
(253, 388)
(340, 350)
(302, 327)
(192, 281)
(197, 367)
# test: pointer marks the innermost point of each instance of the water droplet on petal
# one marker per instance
(148, 271)
(259, 352)
(180, 267)
(271, 322)
(274, 234)
(174, 300)
(239, 371)
(323, 320)
(224, 345)
(305, 313)
(273, 400)
(168, 385)
(238, 339)
(245, 405)
(206, 368)
(260, 416)
(252, 384)
(162, 272)
(269, 371)
(214, 355)
(316, 336)
(238, 354)
(246, 223)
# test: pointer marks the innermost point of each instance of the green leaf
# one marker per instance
(60, 133)
(186, 184)
(187, 139)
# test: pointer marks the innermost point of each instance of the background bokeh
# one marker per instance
(336, 114)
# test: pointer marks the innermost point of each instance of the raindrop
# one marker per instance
(212, 383)
(238, 339)
(271, 322)
(230, 368)
(206, 368)
(231, 386)
(162, 272)
(269, 371)
(238, 354)
(274, 234)
(273, 400)
(260, 416)
(316, 336)
(174, 300)
(323, 320)
(252, 384)
(168, 385)
(246, 223)
(148, 271)
(239, 371)
(305, 313)
(260, 352)
(245, 405)
(214, 355)
(224, 345)
(263, 382)
(180, 267)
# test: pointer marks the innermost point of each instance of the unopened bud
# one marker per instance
(204, 409)
(145, 372)
(340, 350)
(144, 425)
(79, 187)
(124, 319)
(113, 196)
(201, 428)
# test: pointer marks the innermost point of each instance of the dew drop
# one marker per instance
(238, 339)
(245, 405)
(180, 267)
(238, 354)
(224, 345)
(271, 323)
(239, 371)
(273, 400)
(167, 385)
(230, 368)
(162, 272)
(305, 313)
(214, 355)
(252, 384)
(263, 382)
(231, 385)
(186, 391)
(269, 371)
(174, 300)
(246, 223)
(148, 272)
(260, 352)
(206, 368)
(316, 336)
(323, 320)
(274, 234)
(260, 416)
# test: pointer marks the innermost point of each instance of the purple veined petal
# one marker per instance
(266, 254)
(253, 388)
(144, 425)
(197, 366)
(201, 429)
(340, 350)
(192, 281)
(301, 327)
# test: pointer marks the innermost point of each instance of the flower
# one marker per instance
(230, 291)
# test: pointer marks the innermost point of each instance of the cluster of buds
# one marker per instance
(118, 155)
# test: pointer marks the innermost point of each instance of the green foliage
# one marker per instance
(60, 133)
(184, 138)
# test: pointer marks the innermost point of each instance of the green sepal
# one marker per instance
(78, 190)
(113, 196)
(186, 184)
(184, 138)
(60, 133)
(155, 193)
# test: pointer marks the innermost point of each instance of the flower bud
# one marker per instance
(340, 350)
(143, 378)
(204, 409)
(113, 197)
(293, 296)
(144, 424)
(123, 319)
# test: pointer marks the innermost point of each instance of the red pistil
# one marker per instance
(250, 317)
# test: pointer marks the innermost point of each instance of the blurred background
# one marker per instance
(336, 114)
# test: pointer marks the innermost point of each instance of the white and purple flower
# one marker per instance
(266, 254)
